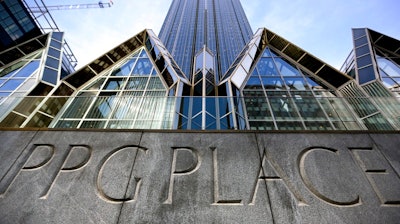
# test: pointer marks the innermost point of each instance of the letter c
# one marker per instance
(306, 180)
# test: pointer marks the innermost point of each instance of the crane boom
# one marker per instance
(72, 6)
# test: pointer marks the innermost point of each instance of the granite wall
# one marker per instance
(198, 177)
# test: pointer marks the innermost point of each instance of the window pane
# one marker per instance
(11, 84)
(388, 67)
(358, 32)
(362, 50)
(102, 107)
(266, 67)
(364, 61)
(53, 52)
(155, 83)
(93, 124)
(125, 69)
(50, 75)
(388, 82)
(9, 71)
(114, 84)
(51, 62)
(285, 68)
(282, 105)
(142, 67)
(273, 83)
(366, 74)
(363, 40)
(137, 83)
(296, 84)
(28, 69)
(253, 83)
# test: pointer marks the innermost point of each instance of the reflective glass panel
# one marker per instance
(388, 66)
(155, 83)
(308, 106)
(28, 69)
(285, 68)
(296, 83)
(125, 69)
(362, 50)
(52, 62)
(93, 124)
(102, 107)
(11, 84)
(388, 82)
(53, 52)
(266, 53)
(282, 106)
(261, 125)
(199, 61)
(254, 83)
(55, 44)
(143, 67)
(273, 83)
(266, 67)
(363, 40)
(9, 71)
(358, 33)
(143, 54)
(67, 124)
(364, 61)
(50, 75)
(96, 85)
(136, 83)
(114, 84)
(366, 74)
(78, 107)
(257, 108)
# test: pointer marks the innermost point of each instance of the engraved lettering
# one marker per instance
(137, 180)
(176, 173)
(279, 177)
(370, 173)
(87, 152)
(306, 180)
(27, 163)
(217, 200)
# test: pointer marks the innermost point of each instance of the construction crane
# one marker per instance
(44, 9)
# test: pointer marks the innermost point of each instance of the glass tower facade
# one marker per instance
(191, 25)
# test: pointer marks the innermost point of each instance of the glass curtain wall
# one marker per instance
(131, 95)
(221, 25)
(280, 96)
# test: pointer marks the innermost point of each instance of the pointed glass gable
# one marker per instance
(280, 96)
(279, 86)
(129, 95)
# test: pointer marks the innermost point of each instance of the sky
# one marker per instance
(321, 27)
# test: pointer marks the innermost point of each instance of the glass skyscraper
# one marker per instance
(191, 26)
(208, 71)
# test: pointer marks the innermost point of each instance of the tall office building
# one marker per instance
(191, 26)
